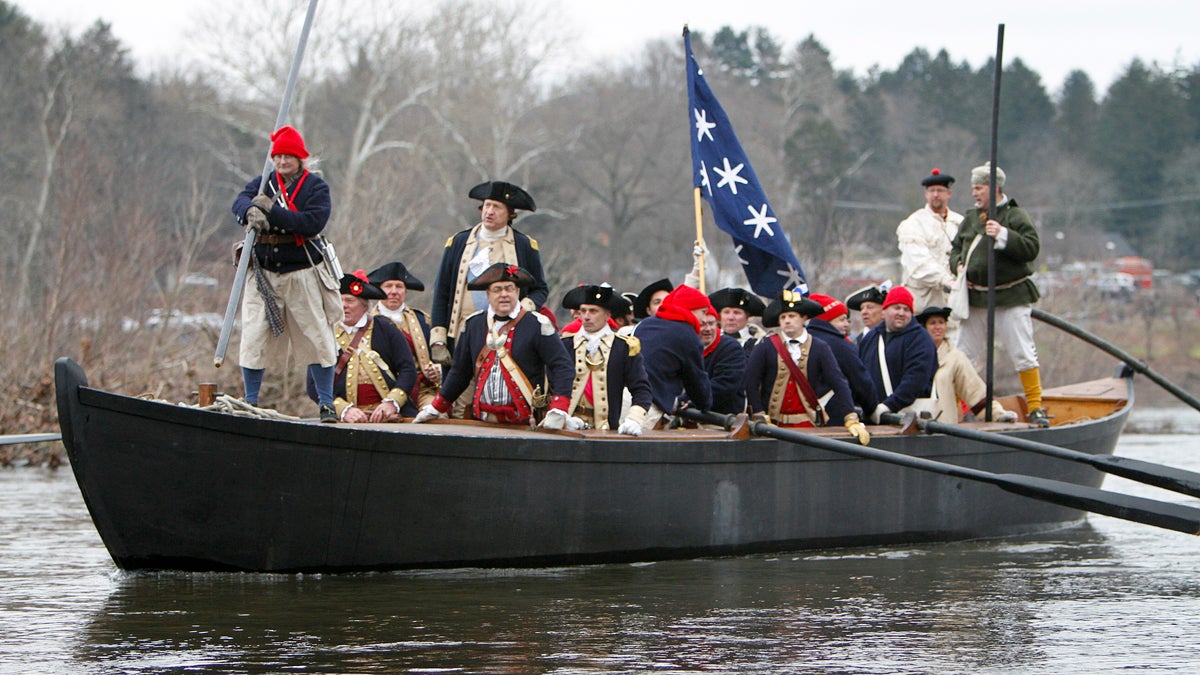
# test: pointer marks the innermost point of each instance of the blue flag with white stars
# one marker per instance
(739, 205)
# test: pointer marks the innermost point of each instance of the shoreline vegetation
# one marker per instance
(167, 360)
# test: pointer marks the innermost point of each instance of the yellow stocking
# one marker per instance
(1031, 380)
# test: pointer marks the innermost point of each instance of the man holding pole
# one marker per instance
(294, 300)
(1016, 246)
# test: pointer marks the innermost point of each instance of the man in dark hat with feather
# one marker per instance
(506, 351)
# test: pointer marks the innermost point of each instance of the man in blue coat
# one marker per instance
(506, 351)
(725, 363)
(606, 363)
(467, 254)
(396, 281)
(909, 357)
(823, 328)
(673, 356)
(792, 379)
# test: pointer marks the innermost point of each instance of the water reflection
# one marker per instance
(962, 606)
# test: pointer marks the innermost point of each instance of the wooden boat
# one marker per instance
(175, 487)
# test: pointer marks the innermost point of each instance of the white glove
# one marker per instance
(428, 413)
(1007, 416)
(555, 419)
(879, 410)
(576, 424)
(630, 427)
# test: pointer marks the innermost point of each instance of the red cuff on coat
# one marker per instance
(560, 403)
(441, 404)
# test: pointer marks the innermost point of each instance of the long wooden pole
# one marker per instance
(991, 243)
(239, 279)
(699, 232)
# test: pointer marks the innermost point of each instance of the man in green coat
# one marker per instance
(1016, 247)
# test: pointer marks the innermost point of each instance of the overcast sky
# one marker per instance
(1053, 37)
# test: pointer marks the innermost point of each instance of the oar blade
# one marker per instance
(1127, 507)
(1159, 475)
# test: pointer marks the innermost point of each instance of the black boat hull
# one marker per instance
(172, 487)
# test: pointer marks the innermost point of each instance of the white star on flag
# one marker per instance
(761, 221)
(730, 176)
(704, 178)
(703, 125)
(792, 276)
(737, 251)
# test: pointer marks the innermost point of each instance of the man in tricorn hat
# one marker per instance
(647, 301)
(792, 379)
(506, 351)
(467, 254)
(868, 302)
(606, 363)
(396, 281)
(375, 375)
(1016, 247)
(736, 306)
(924, 238)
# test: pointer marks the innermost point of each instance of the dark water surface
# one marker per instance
(1104, 597)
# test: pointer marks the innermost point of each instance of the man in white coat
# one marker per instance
(925, 238)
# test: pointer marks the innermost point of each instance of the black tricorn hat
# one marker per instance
(790, 301)
(395, 271)
(870, 293)
(936, 177)
(508, 194)
(737, 297)
(642, 303)
(931, 311)
(501, 272)
(356, 284)
(602, 296)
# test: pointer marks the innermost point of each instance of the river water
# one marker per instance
(1107, 596)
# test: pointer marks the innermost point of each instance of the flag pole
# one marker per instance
(699, 234)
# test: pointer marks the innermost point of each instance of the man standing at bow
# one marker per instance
(924, 238)
(395, 280)
(506, 352)
(792, 379)
(1016, 246)
(606, 363)
(293, 304)
(899, 354)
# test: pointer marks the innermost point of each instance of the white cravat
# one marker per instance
(593, 339)
(396, 315)
(362, 321)
(796, 344)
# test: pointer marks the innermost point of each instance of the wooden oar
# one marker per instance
(13, 439)
(1158, 475)
(1137, 509)
(1133, 363)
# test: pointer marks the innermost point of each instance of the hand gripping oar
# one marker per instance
(239, 279)
(1133, 363)
(1137, 509)
(1158, 475)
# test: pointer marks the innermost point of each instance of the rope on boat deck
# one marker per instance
(233, 406)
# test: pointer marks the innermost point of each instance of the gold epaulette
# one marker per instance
(532, 243)
(449, 240)
(634, 344)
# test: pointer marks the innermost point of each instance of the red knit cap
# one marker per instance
(688, 298)
(833, 308)
(287, 141)
(899, 295)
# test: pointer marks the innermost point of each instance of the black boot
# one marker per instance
(328, 414)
